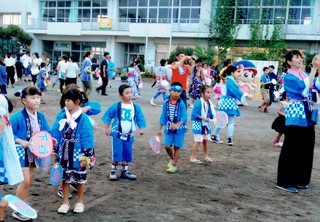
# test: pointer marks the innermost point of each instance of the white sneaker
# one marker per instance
(279, 144)
(152, 102)
(113, 175)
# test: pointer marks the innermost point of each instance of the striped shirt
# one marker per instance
(172, 108)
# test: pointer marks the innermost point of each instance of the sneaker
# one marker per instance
(113, 175)
(289, 189)
(172, 169)
(265, 110)
(216, 139)
(19, 216)
(127, 175)
(60, 193)
(169, 164)
(279, 144)
(230, 143)
(302, 186)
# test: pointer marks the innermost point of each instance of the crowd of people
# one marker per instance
(72, 131)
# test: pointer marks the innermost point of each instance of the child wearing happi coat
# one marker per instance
(75, 148)
(25, 123)
(173, 119)
(125, 115)
(228, 103)
(202, 112)
(10, 170)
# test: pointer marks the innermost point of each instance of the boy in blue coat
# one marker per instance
(174, 119)
(126, 115)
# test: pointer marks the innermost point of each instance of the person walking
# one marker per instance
(86, 73)
(10, 68)
(104, 74)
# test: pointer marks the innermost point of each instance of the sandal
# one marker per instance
(64, 208)
(79, 208)
(208, 160)
(195, 161)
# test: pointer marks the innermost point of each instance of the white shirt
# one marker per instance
(26, 60)
(126, 117)
(9, 61)
(62, 67)
(35, 65)
(72, 70)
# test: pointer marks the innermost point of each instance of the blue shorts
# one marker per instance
(121, 150)
(177, 140)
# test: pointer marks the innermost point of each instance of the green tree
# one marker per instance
(206, 54)
(223, 27)
(185, 50)
(262, 46)
(12, 38)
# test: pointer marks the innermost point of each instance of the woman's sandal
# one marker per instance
(208, 160)
(63, 209)
(195, 161)
(79, 208)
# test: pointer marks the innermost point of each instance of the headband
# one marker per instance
(176, 88)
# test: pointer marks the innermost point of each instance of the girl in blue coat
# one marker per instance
(228, 104)
(75, 149)
(202, 112)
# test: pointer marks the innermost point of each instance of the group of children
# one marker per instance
(73, 137)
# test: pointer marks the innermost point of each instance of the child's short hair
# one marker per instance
(122, 88)
(163, 62)
(72, 94)
(29, 91)
(43, 64)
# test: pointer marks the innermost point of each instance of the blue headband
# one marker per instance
(176, 88)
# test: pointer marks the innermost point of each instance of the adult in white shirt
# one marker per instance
(10, 68)
(72, 71)
(26, 62)
(62, 70)
(35, 67)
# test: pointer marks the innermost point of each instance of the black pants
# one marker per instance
(296, 156)
(105, 81)
(70, 80)
(62, 84)
(34, 79)
(10, 74)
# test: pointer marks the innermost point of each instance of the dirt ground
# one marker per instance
(239, 185)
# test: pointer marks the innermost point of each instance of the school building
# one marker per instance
(148, 28)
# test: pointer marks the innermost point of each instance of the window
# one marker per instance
(185, 11)
(11, 19)
(74, 10)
